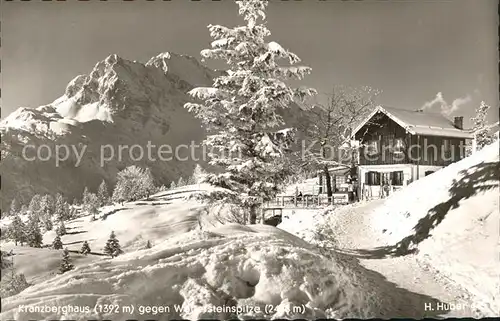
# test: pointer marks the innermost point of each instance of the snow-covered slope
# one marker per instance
(119, 103)
(452, 218)
(197, 265)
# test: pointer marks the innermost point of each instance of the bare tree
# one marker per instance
(328, 136)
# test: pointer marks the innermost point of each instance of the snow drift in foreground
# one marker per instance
(258, 267)
(452, 217)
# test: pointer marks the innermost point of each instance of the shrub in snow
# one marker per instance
(240, 111)
(148, 245)
(66, 264)
(57, 243)
(85, 248)
(133, 183)
(112, 247)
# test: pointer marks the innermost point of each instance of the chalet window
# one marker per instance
(373, 147)
(446, 145)
(398, 146)
(339, 181)
(372, 178)
(397, 178)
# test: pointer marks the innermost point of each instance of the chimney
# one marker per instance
(459, 122)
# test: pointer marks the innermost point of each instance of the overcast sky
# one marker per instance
(410, 50)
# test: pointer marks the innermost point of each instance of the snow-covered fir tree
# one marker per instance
(72, 212)
(172, 185)
(35, 205)
(85, 248)
(66, 211)
(6, 261)
(47, 211)
(90, 205)
(14, 208)
(61, 208)
(133, 183)
(66, 264)
(47, 205)
(181, 182)
(57, 243)
(17, 230)
(240, 110)
(112, 247)
(103, 194)
(23, 210)
(61, 229)
(198, 175)
(33, 233)
(48, 224)
(482, 130)
(85, 194)
(11, 282)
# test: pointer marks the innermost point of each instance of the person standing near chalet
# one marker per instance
(350, 191)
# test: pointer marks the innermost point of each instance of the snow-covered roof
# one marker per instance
(419, 122)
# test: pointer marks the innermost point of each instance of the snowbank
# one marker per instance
(262, 270)
(402, 210)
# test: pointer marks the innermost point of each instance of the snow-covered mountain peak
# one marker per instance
(119, 103)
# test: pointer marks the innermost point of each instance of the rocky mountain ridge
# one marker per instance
(119, 103)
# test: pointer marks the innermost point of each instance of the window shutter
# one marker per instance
(397, 178)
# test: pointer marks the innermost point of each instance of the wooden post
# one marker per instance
(262, 215)
(295, 200)
(306, 200)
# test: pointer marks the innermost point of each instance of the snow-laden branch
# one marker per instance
(204, 93)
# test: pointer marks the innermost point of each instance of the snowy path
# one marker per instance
(352, 228)
(352, 234)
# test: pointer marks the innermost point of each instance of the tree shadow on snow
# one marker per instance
(75, 232)
(476, 179)
(91, 253)
(76, 242)
(105, 215)
(152, 203)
